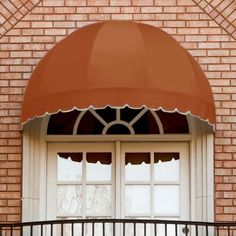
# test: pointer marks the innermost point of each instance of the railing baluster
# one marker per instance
(207, 230)
(186, 229)
(165, 229)
(21, 231)
(62, 229)
(31, 230)
(155, 229)
(217, 231)
(11, 230)
(196, 228)
(145, 229)
(176, 230)
(103, 228)
(82, 228)
(41, 230)
(123, 228)
(114, 228)
(51, 229)
(134, 229)
(228, 230)
(72, 229)
(93, 229)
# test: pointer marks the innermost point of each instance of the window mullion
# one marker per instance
(118, 181)
(84, 185)
(152, 200)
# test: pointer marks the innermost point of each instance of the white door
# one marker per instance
(80, 180)
(155, 180)
(118, 180)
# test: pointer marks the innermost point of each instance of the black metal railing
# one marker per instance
(117, 227)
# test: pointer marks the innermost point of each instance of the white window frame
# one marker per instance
(118, 182)
(201, 165)
(53, 149)
(183, 149)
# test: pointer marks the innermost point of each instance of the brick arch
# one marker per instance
(223, 12)
(13, 11)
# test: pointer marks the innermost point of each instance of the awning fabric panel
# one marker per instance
(118, 63)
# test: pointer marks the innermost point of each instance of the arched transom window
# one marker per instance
(109, 121)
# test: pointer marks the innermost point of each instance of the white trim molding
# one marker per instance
(35, 151)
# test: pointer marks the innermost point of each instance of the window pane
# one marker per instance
(69, 199)
(166, 170)
(146, 124)
(137, 166)
(68, 170)
(98, 199)
(139, 172)
(89, 124)
(62, 122)
(166, 200)
(98, 166)
(173, 123)
(137, 199)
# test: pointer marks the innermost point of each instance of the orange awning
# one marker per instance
(117, 64)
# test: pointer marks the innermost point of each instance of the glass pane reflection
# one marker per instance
(166, 200)
(69, 199)
(98, 199)
(137, 199)
(166, 170)
(98, 172)
(68, 170)
(98, 166)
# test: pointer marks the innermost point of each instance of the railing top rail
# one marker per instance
(141, 221)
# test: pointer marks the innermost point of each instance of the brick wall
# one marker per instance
(30, 28)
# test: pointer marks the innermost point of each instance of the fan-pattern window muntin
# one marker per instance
(125, 121)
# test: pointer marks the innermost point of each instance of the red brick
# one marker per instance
(42, 24)
(86, 10)
(75, 3)
(143, 16)
(229, 164)
(167, 16)
(22, 39)
(193, 16)
(173, 9)
(55, 31)
(142, 2)
(231, 210)
(98, 3)
(223, 172)
(209, 45)
(224, 202)
(130, 9)
(120, 2)
(98, 17)
(109, 10)
(121, 16)
(67, 24)
(64, 10)
(219, 67)
(53, 2)
(151, 9)
(165, 3)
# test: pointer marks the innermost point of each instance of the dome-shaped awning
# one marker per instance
(118, 63)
